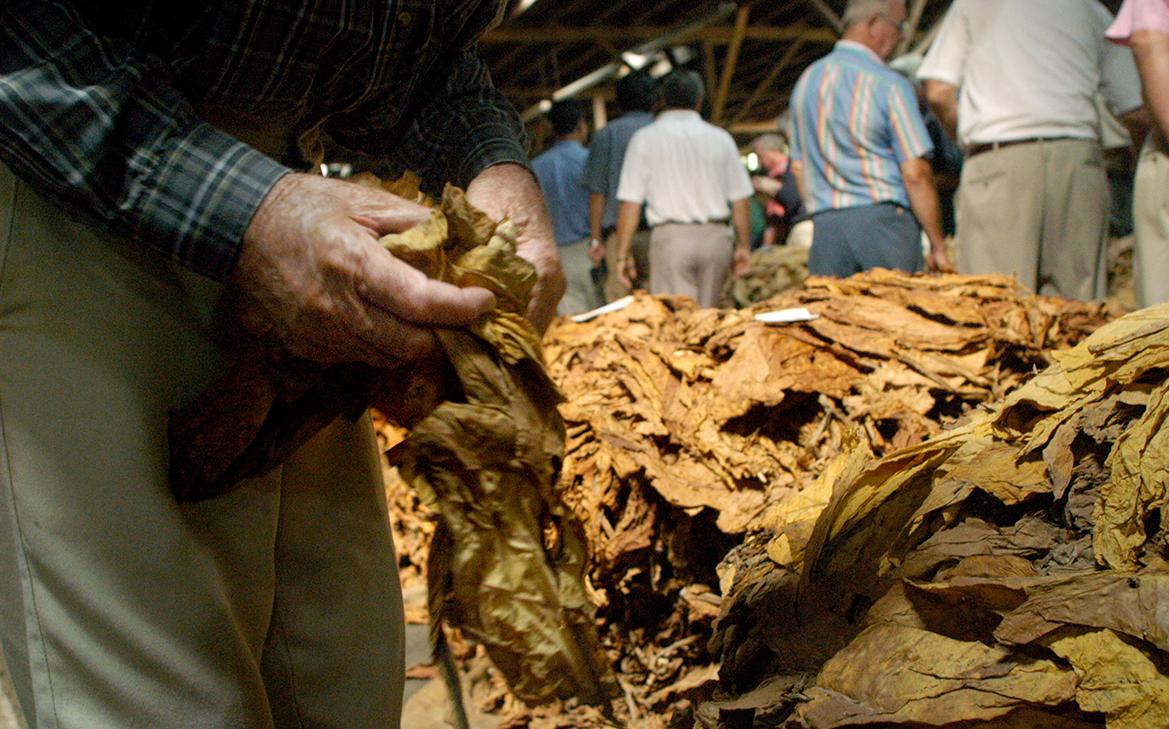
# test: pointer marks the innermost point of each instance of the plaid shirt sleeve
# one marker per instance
(464, 128)
(99, 128)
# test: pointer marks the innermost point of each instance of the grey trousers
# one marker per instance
(1150, 265)
(690, 260)
(851, 240)
(1038, 211)
(582, 293)
(277, 605)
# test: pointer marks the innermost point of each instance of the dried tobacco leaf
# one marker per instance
(893, 674)
(507, 560)
(1116, 679)
(980, 537)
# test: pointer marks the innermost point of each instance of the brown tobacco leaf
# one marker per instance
(507, 560)
(1125, 603)
(893, 674)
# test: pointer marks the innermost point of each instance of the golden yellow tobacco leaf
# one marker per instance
(1116, 679)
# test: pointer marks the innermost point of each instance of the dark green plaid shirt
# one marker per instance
(98, 99)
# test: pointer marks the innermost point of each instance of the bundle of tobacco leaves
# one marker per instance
(1010, 572)
(774, 270)
(687, 427)
(506, 559)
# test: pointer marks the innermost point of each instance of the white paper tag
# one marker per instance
(617, 305)
(786, 316)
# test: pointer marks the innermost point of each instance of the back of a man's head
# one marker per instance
(858, 11)
(565, 116)
(772, 142)
(682, 89)
(636, 91)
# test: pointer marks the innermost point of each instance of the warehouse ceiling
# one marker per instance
(750, 53)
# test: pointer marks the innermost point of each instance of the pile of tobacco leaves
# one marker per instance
(704, 447)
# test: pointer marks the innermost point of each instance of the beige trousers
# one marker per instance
(1038, 211)
(690, 260)
(274, 606)
(1151, 224)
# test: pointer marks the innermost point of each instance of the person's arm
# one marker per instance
(97, 127)
(943, 100)
(1151, 49)
(511, 191)
(741, 219)
(944, 66)
(798, 173)
(628, 216)
(923, 200)
(596, 180)
(596, 231)
(596, 215)
(465, 131)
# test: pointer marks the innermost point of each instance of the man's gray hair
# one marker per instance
(768, 143)
(858, 11)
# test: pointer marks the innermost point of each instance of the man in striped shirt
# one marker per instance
(859, 153)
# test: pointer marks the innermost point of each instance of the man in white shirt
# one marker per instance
(1016, 80)
(689, 176)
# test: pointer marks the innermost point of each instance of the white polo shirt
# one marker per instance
(1031, 68)
(683, 169)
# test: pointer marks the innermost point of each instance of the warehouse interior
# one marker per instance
(899, 498)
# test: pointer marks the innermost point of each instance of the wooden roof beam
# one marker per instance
(829, 14)
(717, 34)
(915, 11)
(788, 55)
(724, 86)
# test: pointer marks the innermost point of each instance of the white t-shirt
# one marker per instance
(1031, 68)
(684, 170)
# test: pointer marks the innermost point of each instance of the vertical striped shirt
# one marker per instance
(854, 122)
(101, 104)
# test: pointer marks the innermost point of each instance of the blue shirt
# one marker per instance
(854, 122)
(602, 172)
(560, 171)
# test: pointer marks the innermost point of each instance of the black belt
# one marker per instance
(722, 221)
(976, 149)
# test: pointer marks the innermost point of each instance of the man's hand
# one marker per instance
(766, 185)
(741, 262)
(596, 252)
(311, 271)
(511, 191)
(938, 261)
(626, 271)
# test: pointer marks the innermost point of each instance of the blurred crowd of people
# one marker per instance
(990, 149)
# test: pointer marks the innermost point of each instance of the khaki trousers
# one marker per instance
(1038, 211)
(1151, 224)
(274, 606)
(690, 260)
